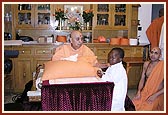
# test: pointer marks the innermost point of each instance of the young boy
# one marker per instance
(116, 73)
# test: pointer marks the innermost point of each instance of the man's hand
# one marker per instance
(99, 73)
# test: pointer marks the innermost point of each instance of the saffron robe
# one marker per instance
(151, 86)
(84, 53)
(154, 30)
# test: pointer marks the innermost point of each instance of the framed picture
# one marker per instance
(73, 11)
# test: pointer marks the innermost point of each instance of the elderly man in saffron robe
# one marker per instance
(150, 94)
(76, 50)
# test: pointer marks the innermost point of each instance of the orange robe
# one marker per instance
(84, 53)
(151, 86)
(154, 30)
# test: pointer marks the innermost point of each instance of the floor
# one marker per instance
(131, 93)
(9, 97)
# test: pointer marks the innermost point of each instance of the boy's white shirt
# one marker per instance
(117, 74)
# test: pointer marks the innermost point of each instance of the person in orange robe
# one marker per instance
(150, 94)
(76, 46)
(154, 29)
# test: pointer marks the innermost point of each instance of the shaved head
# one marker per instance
(156, 49)
(75, 34)
(161, 12)
(155, 54)
(76, 39)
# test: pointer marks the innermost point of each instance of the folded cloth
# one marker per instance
(75, 80)
(71, 58)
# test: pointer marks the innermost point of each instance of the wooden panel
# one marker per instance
(24, 51)
(137, 52)
(103, 52)
(23, 73)
(40, 60)
(127, 51)
(8, 83)
(134, 74)
(43, 51)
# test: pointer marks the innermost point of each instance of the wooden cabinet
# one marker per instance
(30, 56)
(115, 20)
(134, 72)
(23, 67)
(111, 16)
(42, 55)
(28, 16)
(110, 20)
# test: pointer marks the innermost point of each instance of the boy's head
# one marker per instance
(116, 55)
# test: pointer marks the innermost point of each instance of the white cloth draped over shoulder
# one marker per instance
(161, 42)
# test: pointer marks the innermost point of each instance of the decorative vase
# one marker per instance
(60, 24)
(61, 38)
(87, 25)
(56, 24)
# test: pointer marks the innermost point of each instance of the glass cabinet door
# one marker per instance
(43, 15)
(33, 16)
(110, 16)
(24, 17)
(120, 15)
(102, 15)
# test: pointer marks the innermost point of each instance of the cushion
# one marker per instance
(67, 69)
(90, 59)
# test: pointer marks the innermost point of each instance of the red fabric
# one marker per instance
(77, 97)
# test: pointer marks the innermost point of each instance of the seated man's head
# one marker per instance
(76, 39)
(155, 54)
(161, 12)
(116, 55)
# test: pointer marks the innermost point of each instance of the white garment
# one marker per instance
(117, 74)
(161, 42)
(71, 58)
(38, 80)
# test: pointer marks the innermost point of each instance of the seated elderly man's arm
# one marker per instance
(59, 53)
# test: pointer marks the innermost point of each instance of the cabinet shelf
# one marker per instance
(111, 17)
(118, 21)
(38, 16)
(120, 13)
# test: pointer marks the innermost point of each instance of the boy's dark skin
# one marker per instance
(113, 58)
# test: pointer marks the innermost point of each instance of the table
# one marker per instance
(77, 96)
